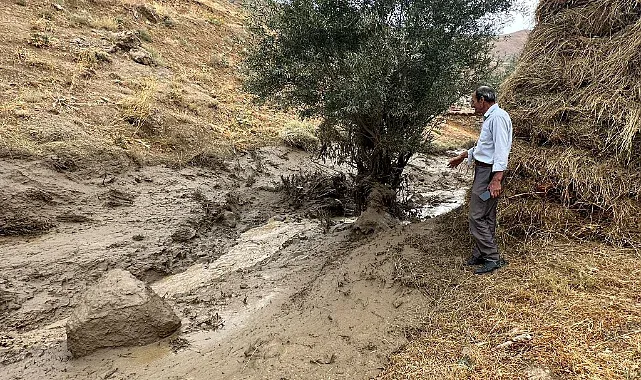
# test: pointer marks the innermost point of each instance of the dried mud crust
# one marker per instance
(296, 301)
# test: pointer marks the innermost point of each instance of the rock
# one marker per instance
(183, 234)
(538, 373)
(230, 219)
(126, 40)
(142, 56)
(148, 13)
(119, 310)
(522, 338)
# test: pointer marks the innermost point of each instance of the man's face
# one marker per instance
(478, 105)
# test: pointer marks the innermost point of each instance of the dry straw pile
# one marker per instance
(575, 100)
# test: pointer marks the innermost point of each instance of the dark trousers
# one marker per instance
(483, 216)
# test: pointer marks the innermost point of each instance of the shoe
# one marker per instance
(473, 260)
(490, 266)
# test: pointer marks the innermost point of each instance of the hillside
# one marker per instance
(84, 80)
(510, 45)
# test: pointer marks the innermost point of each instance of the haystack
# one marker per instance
(575, 100)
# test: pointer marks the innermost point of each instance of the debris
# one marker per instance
(109, 373)
(138, 237)
(178, 344)
(211, 322)
(117, 198)
(230, 219)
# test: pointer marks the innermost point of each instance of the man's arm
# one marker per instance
(456, 161)
(501, 137)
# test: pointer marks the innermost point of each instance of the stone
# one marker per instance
(538, 373)
(183, 234)
(126, 40)
(119, 310)
(142, 56)
(230, 219)
(149, 13)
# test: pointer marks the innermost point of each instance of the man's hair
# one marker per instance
(487, 93)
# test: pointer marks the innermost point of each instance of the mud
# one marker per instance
(262, 292)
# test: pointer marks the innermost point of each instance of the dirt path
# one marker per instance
(263, 293)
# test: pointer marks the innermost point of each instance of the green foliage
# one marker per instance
(374, 71)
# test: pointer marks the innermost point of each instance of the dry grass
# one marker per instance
(575, 98)
(140, 109)
(301, 135)
(105, 105)
(564, 191)
(41, 40)
(28, 58)
(106, 22)
(570, 310)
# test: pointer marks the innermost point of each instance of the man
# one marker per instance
(490, 157)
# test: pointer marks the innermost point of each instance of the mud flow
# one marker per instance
(264, 291)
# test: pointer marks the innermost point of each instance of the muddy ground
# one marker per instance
(264, 291)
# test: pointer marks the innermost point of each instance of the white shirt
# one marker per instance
(495, 141)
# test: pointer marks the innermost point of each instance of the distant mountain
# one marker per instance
(510, 45)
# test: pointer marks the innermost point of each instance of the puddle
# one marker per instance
(440, 202)
(150, 353)
(253, 246)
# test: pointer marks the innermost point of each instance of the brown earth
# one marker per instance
(262, 291)
(127, 142)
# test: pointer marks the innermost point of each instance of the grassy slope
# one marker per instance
(62, 100)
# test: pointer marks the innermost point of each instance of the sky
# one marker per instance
(522, 20)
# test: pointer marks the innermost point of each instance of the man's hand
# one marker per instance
(495, 184)
(456, 161)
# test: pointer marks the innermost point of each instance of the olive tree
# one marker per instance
(375, 72)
